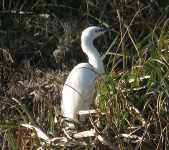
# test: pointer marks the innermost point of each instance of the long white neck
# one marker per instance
(93, 55)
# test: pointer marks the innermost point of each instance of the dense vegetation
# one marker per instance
(40, 43)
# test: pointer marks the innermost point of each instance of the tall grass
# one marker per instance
(135, 99)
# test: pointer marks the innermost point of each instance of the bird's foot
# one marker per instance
(69, 127)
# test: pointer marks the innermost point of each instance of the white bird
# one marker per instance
(77, 93)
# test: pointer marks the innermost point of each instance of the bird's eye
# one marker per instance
(99, 30)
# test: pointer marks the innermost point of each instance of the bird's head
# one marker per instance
(92, 32)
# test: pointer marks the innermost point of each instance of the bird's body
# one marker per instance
(77, 93)
(82, 74)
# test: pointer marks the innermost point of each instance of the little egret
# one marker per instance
(77, 93)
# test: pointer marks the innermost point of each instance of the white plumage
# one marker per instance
(77, 93)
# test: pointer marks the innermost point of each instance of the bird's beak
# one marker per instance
(107, 30)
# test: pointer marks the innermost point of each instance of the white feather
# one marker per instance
(77, 93)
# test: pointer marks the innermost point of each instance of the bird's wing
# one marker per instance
(82, 78)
